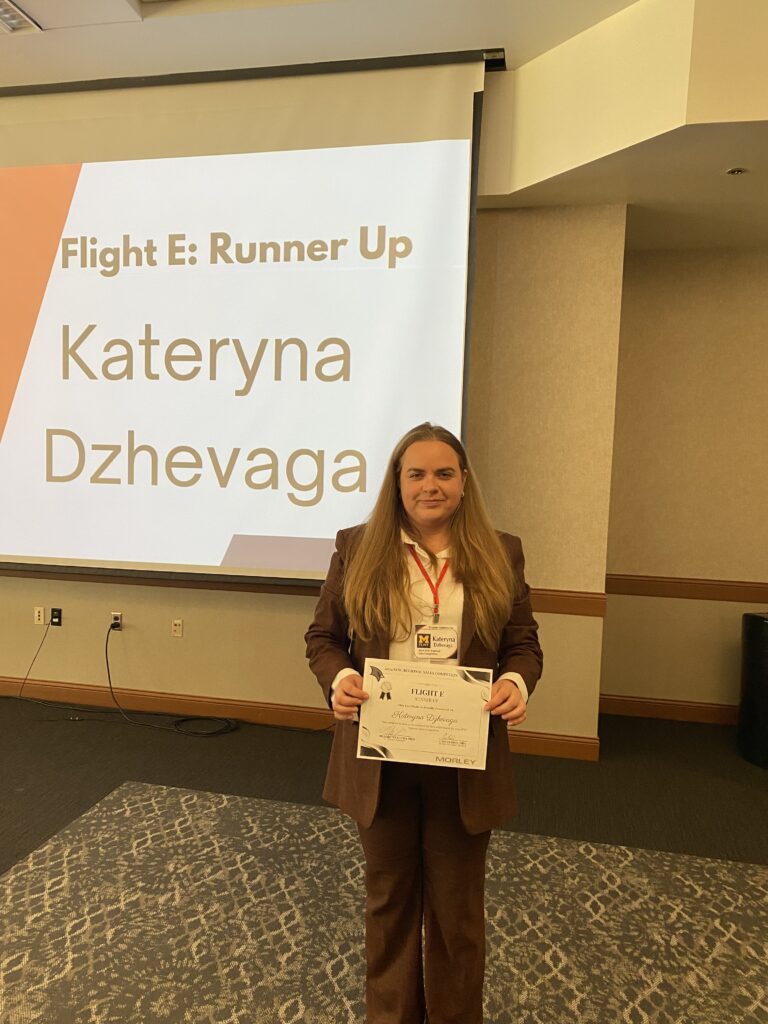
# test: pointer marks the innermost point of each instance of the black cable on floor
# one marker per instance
(225, 724)
(222, 726)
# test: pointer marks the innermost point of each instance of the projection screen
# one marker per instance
(222, 304)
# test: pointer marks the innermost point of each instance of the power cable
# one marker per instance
(225, 724)
(180, 725)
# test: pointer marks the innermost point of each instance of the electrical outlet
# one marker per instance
(39, 616)
(177, 627)
(55, 616)
(117, 620)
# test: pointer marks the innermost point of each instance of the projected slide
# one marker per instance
(206, 360)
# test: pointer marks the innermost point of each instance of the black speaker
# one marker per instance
(752, 733)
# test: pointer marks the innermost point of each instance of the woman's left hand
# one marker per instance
(507, 701)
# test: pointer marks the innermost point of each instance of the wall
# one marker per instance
(618, 83)
(236, 646)
(690, 486)
(690, 471)
(542, 386)
(729, 74)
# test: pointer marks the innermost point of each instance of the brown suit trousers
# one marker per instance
(422, 865)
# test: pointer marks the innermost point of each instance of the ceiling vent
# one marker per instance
(14, 19)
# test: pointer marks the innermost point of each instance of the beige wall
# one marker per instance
(566, 701)
(619, 82)
(690, 476)
(236, 646)
(542, 385)
(729, 72)
(541, 395)
(671, 649)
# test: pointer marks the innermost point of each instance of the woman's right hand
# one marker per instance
(347, 697)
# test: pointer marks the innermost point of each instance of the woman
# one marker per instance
(428, 551)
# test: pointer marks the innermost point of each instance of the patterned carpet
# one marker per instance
(168, 905)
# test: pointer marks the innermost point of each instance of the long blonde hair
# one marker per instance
(377, 573)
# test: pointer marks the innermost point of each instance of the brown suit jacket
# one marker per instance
(486, 798)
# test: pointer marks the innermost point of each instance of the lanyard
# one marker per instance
(434, 587)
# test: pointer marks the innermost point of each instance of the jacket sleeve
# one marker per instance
(519, 649)
(327, 638)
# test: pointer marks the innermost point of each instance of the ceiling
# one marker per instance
(676, 185)
(87, 39)
(677, 188)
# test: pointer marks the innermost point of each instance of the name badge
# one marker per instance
(435, 642)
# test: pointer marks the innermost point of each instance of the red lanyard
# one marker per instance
(434, 587)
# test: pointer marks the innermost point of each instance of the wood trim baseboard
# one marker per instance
(258, 713)
(556, 602)
(687, 589)
(577, 748)
(569, 602)
(182, 705)
(675, 710)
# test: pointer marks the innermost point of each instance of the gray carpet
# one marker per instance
(178, 906)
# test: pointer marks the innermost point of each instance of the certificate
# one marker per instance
(424, 713)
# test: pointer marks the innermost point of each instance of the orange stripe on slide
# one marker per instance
(34, 203)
